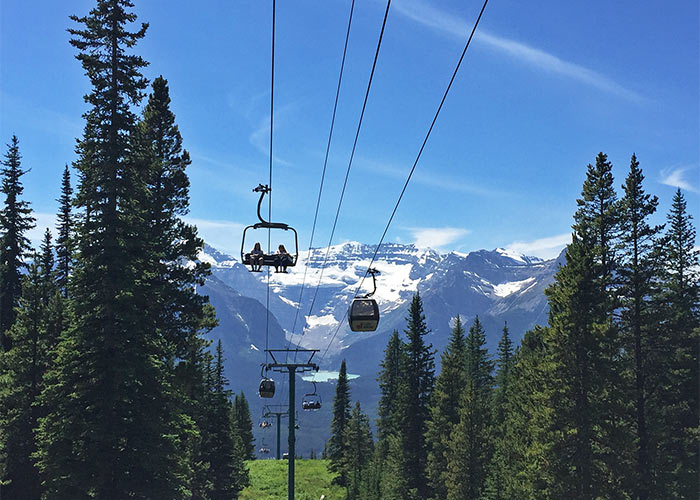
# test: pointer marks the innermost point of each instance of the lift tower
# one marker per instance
(284, 366)
(278, 411)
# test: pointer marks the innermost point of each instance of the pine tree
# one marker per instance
(414, 397)
(65, 226)
(394, 483)
(173, 246)
(244, 424)
(444, 410)
(358, 452)
(495, 483)
(578, 366)
(504, 364)
(637, 272)
(33, 337)
(677, 457)
(470, 447)
(523, 466)
(111, 360)
(337, 444)
(15, 221)
(390, 378)
(598, 215)
(224, 448)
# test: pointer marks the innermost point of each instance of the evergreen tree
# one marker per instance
(65, 227)
(637, 272)
(587, 459)
(523, 465)
(677, 459)
(394, 483)
(46, 263)
(224, 448)
(173, 246)
(244, 423)
(358, 452)
(15, 221)
(33, 338)
(470, 446)
(390, 378)
(444, 410)
(414, 398)
(111, 360)
(504, 364)
(495, 487)
(175, 310)
(598, 215)
(337, 445)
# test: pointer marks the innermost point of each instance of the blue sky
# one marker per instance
(544, 87)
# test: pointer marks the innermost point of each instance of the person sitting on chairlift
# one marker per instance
(256, 257)
(283, 259)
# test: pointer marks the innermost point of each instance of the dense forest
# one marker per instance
(600, 403)
(107, 386)
(109, 389)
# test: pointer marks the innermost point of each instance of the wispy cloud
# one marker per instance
(221, 234)
(544, 248)
(436, 237)
(429, 179)
(41, 118)
(676, 177)
(260, 136)
(455, 27)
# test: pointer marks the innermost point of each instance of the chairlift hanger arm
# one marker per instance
(373, 271)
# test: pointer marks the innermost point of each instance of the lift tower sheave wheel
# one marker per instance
(292, 369)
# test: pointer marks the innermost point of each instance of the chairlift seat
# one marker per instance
(311, 404)
(270, 260)
(363, 315)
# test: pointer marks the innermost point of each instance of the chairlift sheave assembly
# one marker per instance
(363, 315)
(256, 258)
(311, 401)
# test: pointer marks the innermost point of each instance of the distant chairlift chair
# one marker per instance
(311, 401)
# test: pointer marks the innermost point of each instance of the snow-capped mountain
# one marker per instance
(496, 285)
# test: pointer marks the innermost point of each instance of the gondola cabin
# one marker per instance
(267, 388)
(363, 315)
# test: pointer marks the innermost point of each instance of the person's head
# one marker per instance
(282, 249)
(257, 247)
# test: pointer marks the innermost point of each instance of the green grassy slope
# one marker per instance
(268, 481)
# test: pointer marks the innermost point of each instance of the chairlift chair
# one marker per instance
(311, 401)
(363, 315)
(268, 259)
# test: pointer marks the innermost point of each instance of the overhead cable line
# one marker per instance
(413, 168)
(269, 198)
(352, 156)
(323, 174)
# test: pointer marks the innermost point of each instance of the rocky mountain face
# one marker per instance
(496, 285)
